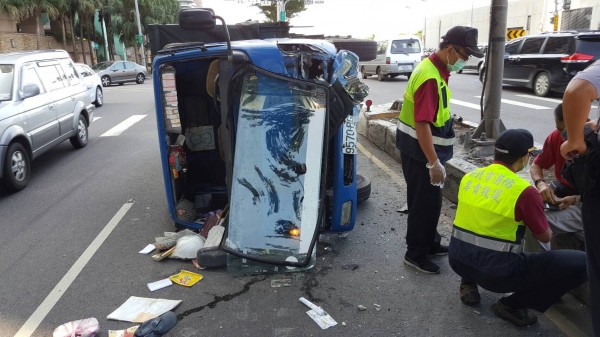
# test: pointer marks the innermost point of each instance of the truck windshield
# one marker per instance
(6, 81)
(276, 188)
(405, 46)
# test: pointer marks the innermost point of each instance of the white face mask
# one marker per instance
(527, 164)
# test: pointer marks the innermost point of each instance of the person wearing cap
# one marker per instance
(581, 91)
(494, 207)
(425, 138)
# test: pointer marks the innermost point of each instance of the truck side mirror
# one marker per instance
(197, 19)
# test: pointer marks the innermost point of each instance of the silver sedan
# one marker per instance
(120, 72)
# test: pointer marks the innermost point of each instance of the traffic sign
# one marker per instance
(513, 33)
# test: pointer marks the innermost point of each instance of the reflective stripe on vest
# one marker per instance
(482, 242)
(486, 203)
(413, 133)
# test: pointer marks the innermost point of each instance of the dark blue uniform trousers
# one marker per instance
(590, 212)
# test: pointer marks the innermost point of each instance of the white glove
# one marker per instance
(437, 173)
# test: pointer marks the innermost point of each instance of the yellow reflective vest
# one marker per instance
(486, 205)
(441, 128)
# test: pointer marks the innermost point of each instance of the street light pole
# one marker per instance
(139, 26)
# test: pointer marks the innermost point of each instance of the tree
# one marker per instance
(14, 9)
(35, 8)
(292, 8)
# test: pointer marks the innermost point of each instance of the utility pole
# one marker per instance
(140, 38)
(281, 10)
(491, 124)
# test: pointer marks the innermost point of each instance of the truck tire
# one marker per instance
(366, 50)
(363, 188)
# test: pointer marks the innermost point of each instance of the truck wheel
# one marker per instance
(366, 50)
(363, 188)
(16, 168)
(362, 71)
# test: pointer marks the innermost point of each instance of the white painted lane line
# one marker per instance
(40, 313)
(525, 105)
(124, 125)
(465, 104)
(547, 99)
(95, 119)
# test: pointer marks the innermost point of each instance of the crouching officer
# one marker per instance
(494, 206)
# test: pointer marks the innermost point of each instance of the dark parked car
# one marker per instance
(547, 62)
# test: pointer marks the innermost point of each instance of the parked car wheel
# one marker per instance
(380, 76)
(408, 76)
(140, 78)
(99, 97)
(16, 168)
(363, 188)
(105, 81)
(541, 84)
(482, 74)
(81, 137)
(366, 50)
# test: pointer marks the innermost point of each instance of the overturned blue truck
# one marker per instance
(262, 127)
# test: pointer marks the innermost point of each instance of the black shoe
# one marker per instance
(469, 294)
(519, 317)
(423, 264)
(440, 251)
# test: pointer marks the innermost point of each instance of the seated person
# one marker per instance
(557, 194)
(495, 206)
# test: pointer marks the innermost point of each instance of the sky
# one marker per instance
(358, 18)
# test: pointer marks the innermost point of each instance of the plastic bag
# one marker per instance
(187, 247)
(87, 327)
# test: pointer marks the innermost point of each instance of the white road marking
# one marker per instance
(95, 119)
(547, 99)
(124, 125)
(525, 105)
(465, 104)
(43, 309)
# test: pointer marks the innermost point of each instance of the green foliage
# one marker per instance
(292, 8)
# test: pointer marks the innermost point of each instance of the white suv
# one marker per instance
(43, 102)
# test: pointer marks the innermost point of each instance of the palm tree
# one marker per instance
(14, 8)
(36, 8)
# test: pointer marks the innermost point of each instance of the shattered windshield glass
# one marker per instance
(276, 184)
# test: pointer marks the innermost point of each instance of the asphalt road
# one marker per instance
(69, 249)
(520, 108)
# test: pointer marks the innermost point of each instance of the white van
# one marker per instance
(395, 57)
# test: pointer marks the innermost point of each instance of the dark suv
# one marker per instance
(547, 62)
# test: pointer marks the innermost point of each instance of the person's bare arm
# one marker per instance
(544, 237)
(577, 102)
(545, 190)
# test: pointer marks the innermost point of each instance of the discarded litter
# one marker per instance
(148, 249)
(318, 315)
(161, 256)
(123, 333)
(186, 278)
(140, 309)
(87, 327)
(286, 282)
(159, 284)
(361, 307)
(158, 326)
(403, 209)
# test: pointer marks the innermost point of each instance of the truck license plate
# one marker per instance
(350, 136)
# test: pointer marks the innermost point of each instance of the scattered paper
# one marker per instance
(149, 248)
(324, 321)
(159, 284)
(141, 309)
(129, 332)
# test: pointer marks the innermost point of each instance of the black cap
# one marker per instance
(516, 142)
(465, 37)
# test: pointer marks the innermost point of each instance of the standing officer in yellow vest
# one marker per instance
(425, 138)
(495, 206)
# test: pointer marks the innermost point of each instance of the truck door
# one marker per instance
(277, 186)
